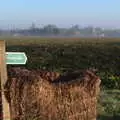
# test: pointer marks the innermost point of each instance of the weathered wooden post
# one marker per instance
(7, 58)
(3, 78)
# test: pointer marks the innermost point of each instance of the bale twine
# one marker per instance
(41, 95)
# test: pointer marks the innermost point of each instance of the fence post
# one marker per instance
(3, 78)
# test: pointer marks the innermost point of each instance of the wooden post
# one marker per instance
(3, 79)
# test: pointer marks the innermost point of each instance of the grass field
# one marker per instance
(39, 40)
(69, 54)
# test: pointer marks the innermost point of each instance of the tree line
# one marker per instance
(53, 30)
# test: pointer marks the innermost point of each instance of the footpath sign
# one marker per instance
(7, 58)
(16, 58)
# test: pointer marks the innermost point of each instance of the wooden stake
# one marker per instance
(3, 79)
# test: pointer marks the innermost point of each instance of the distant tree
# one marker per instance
(89, 30)
(98, 31)
(75, 27)
(73, 30)
(33, 26)
(51, 29)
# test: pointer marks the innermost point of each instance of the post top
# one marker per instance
(2, 41)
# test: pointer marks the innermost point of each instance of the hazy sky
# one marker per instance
(64, 13)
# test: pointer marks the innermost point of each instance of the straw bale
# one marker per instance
(43, 95)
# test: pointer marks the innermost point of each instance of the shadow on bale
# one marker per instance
(42, 95)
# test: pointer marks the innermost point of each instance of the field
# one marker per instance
(69, 54)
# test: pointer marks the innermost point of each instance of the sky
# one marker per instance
(63, 13)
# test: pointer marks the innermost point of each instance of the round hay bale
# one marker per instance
(41, 95)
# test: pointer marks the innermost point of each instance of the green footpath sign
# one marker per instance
(16, 58)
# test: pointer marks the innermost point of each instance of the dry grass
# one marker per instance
(36, 40)
(71, 96)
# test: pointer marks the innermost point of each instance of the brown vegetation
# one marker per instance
(41, 95)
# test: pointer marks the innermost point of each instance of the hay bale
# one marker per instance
(41, 95)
